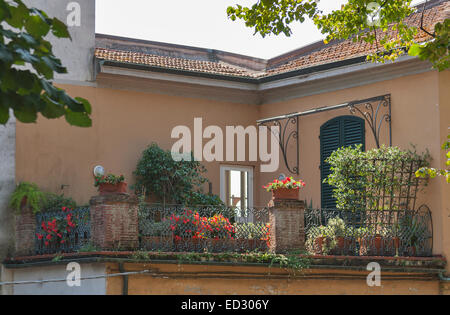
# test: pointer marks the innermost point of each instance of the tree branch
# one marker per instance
(421, 21)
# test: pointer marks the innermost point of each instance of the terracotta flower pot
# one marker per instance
(113, 188)
(285, 193)
(319, 243)
(378, 244)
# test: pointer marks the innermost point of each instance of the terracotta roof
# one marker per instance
(197, 60)
(173, 63)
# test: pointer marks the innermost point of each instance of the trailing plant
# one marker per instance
(29, 195)
(108, 179)
(88, 248)
(425, 172)
(294, 260)
(158, 174)
(378, 179)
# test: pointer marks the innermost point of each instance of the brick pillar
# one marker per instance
(25, 232)
(114, 221)
(287, 225)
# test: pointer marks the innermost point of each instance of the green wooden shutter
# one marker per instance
(335, 133)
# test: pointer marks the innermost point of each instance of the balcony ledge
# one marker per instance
(426, 266)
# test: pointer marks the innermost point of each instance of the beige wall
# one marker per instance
(444, 188)
(52, 153)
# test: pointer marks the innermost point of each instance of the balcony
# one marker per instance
(203, 229)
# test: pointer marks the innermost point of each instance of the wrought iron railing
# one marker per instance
(70, 241)
(203, 228)
(369, 233)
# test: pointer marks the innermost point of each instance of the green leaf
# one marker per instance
(26, 114)
(52, 109)
(87, 106)
(36, 26)
(18, 16)
(59, 29)
(4, 114)
(414, 50)
(78, 119)
(5, 55)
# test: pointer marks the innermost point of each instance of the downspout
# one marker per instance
(125, 280)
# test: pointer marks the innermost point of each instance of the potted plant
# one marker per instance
(412, 232)
(221, 232)
(110, 183)
(27, 196)
(341, 236)
(319, 240)
(189, 230)
(285, 189)
(252, 236)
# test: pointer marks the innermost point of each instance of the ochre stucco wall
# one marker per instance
(251, 280)
(53, 154)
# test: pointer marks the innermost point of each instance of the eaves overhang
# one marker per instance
(233, 78)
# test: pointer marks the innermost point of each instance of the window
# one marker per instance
(236, 186)
(338, 132)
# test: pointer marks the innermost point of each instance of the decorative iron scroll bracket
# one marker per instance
(287, 133)
(372, 112)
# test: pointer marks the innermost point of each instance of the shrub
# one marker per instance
(196, 198)
(191, 224)
(57, 229)
(378, 179)
(171, 181)
(55, 202)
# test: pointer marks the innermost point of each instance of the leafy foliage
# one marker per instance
(158, 174)
(432, 172)
(23, 47)
(109, 179)
(55, 202)
(436, 51)
(383, 25)
(373, 179)
(28, 195)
